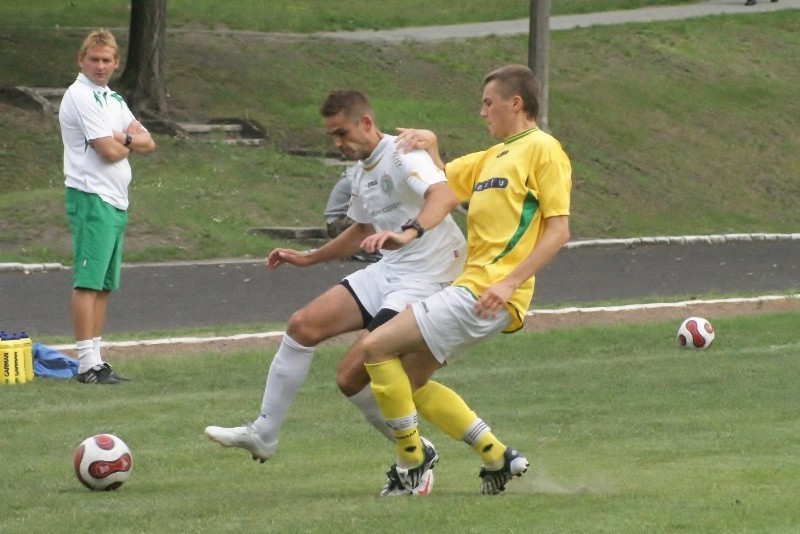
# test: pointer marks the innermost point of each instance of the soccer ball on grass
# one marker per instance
(102, 462)
(695, 333)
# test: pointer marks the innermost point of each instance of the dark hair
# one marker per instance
(353, 103)
(517, 80)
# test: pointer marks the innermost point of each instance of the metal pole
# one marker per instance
(539, 52)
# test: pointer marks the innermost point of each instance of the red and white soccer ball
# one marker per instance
(695, 333)
(102, 462)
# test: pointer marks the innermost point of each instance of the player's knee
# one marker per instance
(301, 330)
(346, 383)
(341, 382)
(416, 381)
(371, 349)
(351, 375)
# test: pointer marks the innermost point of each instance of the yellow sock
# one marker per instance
(392, 391)
(444, 408)
(447, 411)
(490, 449)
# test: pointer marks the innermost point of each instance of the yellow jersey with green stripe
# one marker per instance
(511, 188)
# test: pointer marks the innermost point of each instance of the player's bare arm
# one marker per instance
(439, 201)
(281, 256)
(343, 246)
(555, 236)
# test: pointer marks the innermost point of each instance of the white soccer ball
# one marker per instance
(102, 462)
(695, 333)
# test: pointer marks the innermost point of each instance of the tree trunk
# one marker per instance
(142, 82)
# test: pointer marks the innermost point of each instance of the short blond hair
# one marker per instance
(101, 37)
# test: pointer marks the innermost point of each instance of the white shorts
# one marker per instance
(375, 290)
(449, 325)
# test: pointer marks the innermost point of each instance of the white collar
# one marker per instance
(93, 86)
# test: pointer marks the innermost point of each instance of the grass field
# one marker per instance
(678, 127)
(626, 433)
(687, 121)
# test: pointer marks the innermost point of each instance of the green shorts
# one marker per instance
(97, 229)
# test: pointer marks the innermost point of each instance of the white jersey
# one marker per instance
(90, 112)
(388, 190)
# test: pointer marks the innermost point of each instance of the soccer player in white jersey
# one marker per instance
(518, 220)
(404, 196)
(99, 133)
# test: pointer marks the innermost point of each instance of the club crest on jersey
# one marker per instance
(387, 185)
(491, 183)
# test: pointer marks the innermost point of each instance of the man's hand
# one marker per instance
(279, 256)
(135, 127)
(142, 142)
(409, 139)
(387, 240)
(492, 302)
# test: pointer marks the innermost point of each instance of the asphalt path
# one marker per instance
(560, 22)
(214, 294)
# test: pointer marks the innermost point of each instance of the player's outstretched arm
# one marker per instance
(281, 256)
(342, 246)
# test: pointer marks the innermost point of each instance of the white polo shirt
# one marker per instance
(388, 190)
(90, 112)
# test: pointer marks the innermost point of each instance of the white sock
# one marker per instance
(364, 400)
(286, 374)
(87, 358)
(96, 347)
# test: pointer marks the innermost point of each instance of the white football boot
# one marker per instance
(243, 437)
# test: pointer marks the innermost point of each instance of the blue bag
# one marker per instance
(50, 363)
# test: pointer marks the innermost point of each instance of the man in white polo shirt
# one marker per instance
(99, 132)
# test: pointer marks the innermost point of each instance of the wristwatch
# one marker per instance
(412, 223)
(128, 139)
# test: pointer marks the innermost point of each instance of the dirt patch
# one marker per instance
(539, 322)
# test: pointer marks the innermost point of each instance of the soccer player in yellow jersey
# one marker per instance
(518, 220)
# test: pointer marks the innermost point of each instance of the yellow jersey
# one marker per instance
(511, 188)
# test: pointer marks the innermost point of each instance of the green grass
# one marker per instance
(626, 433)
(681, 127)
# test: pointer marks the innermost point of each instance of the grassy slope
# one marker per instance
(676, 127)
(300, 16)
